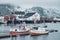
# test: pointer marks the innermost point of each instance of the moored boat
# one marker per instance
(39, 31)
(19, 32)
(22, 30)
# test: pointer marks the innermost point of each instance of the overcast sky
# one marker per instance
(30, 3)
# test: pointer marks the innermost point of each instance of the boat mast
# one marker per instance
(44, 24)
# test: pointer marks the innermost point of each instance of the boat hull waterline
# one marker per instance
(19, 33)
(38, 33)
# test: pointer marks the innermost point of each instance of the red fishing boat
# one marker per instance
(20, 31)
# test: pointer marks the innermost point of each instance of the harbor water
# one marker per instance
(50, 36)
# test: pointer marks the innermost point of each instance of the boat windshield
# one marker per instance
(41, 29)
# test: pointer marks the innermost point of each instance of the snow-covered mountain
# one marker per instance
(6, 9)
(52, 12)
(46, 12)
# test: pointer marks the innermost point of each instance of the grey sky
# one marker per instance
(30, 3)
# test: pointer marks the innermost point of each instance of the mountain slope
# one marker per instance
(47, 13)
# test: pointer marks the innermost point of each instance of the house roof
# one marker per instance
(19, 13)
(28, 15)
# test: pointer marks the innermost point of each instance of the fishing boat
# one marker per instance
(39, 31)
(19, 31)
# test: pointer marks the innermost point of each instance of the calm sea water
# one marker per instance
(50, 36)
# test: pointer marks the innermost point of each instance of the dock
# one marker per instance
(6, 35)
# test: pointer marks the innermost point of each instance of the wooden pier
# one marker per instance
(6, 35)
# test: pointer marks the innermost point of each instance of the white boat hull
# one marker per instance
(32, 33)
